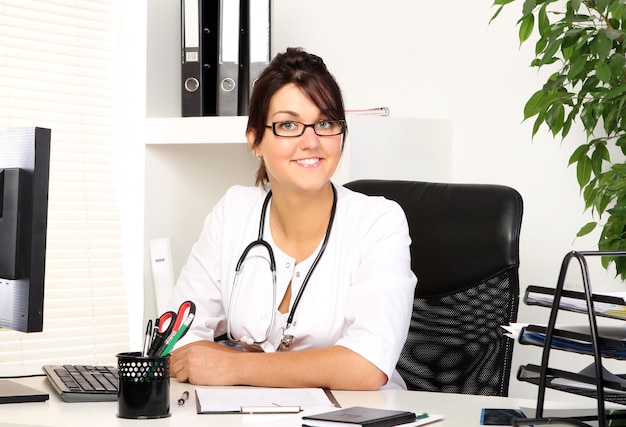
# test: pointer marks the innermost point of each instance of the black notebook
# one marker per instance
(359, 416)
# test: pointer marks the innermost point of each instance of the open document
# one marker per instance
(236, 400)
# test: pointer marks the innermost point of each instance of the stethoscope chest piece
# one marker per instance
(285, 342)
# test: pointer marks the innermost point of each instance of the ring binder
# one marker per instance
(191, 69)
(228, 62)
(209, 43)
(259, 37)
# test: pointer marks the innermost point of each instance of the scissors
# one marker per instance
(168, 325)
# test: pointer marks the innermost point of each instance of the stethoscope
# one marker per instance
(286, 340)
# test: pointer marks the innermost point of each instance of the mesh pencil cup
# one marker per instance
(144, 386)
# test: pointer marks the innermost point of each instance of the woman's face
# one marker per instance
(304, 163)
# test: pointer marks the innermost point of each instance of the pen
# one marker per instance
(147, 339)
(183, 398)
(270, 409)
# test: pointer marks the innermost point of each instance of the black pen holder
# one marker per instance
(144, 386)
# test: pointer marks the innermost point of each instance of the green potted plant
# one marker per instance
(583, 42)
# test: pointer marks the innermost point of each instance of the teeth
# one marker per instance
(308, 161)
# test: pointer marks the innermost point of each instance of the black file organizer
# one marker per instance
(543, 375)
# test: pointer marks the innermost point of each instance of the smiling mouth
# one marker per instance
(308, 162)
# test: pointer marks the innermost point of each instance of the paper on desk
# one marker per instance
(615, 310)
(20, 425)
(230, 400)
(590, 371)
(513, 329)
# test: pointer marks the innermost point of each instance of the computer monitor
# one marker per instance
(24, 177)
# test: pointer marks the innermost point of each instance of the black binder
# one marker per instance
(209, 42)
(191, 69)
(243, 95)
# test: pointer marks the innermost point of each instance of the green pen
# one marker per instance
(421, 416)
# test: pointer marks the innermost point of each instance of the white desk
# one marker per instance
(458, 410)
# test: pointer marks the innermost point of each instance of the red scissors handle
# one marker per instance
(184, 311)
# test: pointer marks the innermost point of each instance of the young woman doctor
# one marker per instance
(309, 282)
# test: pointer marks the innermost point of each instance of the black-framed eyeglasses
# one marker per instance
(291, 128)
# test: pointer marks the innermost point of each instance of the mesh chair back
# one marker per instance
(465, 254)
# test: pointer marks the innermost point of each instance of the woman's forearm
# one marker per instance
(335, 367)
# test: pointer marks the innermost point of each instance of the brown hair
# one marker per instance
(309, 73)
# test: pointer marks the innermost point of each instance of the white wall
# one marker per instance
(440, 60)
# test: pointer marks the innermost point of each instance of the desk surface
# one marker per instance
(458, 410)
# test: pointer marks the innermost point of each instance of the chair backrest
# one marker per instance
(465, 254)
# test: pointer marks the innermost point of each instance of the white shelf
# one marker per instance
(196, 130)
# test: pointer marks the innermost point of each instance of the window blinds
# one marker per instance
(58, 70)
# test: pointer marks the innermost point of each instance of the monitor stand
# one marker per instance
(12, 392)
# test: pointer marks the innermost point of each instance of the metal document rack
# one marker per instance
(543, 375)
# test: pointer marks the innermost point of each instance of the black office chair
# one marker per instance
(465, 254)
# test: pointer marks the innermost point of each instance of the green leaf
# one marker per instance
(588, 117)
(555, 82)
(538, 123)
(528, 7)
(540, 45)
(586, 229)
(583, 171)
(551, 50)
(589, 196)
(618, 212)
(621, 143)
(495, 15)
(615, 92)
(577, 67)
(614, 34)
(543, 22)
(555, 117)
(603, 71)
(589, 85)
(571, 37)
(601, 45)
(526, 27)
(600, 154)
(534, 104)
(579, 153)
(617, 64)
(601, 5)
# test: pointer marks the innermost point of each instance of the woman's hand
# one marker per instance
(203, 363)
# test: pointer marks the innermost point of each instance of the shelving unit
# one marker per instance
(543, 376)
(196, 130)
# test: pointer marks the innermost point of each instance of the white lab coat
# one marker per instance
(360, 295)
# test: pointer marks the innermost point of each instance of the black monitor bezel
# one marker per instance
(29, 150)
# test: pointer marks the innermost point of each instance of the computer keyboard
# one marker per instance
(83, 383)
